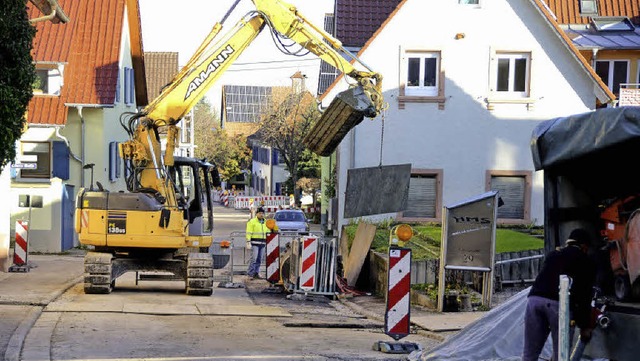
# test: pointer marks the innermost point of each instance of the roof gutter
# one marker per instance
(56, 11)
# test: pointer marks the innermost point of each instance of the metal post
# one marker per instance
(563, 319)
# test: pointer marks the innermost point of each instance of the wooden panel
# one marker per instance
(358, 252)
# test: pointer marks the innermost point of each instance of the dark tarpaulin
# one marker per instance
(590, 139)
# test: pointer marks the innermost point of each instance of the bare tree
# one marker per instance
(230, 153)
(284, 125)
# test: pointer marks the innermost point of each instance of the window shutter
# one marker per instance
(60, 160)
(114, 162)
(274, 157)
(131, 87)
(511, 190)
(118, 85)
(422, 198)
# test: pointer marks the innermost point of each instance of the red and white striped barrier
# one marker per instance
(397, 316)
(273, 258)
(308, 269)
(21, 246)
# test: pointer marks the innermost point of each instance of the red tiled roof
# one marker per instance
(357, 20)
(89, 45)
(568, 11)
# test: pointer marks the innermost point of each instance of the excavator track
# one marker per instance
(98, 276)
(199, 275)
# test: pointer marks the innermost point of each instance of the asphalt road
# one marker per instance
(155, 320)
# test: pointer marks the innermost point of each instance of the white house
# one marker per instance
(466, 82)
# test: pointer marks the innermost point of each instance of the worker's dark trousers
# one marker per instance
(540, 319)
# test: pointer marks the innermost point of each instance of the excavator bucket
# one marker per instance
(346, 111)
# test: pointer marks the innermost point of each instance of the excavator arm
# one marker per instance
(213, 58)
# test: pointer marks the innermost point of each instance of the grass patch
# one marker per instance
(425, 243)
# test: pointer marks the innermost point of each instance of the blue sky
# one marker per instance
(180, 26)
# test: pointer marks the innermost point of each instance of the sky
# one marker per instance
(181, 26)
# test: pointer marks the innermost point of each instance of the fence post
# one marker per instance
(563, 319)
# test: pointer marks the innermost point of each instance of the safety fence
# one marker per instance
(245, 202)
(510, 268)
(222, 253)
(301, 262)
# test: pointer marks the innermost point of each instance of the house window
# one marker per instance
(514, 188)
(613, 73)
(48, 81)
(588, 7)
(512, 74)
(421, 78)
(42, 151)
(129, 93)
(422, 73)
(425, 195)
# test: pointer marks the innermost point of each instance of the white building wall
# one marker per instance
(465, 139)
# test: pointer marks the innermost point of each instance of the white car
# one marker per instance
(291, 220)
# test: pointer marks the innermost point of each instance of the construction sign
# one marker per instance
(397, 315)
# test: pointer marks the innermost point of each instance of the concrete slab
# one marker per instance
(160, 309)
(242, 310)
(446, 321)
(85, 307)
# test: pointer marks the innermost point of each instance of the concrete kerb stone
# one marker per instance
(374, 316)
(16, 342)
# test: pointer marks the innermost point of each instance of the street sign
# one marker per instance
(25, 165)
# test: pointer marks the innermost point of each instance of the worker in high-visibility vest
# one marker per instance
(256, 241)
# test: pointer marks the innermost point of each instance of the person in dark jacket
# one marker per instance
(541, 315)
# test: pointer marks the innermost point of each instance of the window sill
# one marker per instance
(404, 99)
(491, 102)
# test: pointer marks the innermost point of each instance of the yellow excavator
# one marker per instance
(161, 224)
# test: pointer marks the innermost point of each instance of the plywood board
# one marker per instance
(344, 245)
(358, 252)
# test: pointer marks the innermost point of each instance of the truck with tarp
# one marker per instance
(590, 181)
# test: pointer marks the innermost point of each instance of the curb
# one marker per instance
(16, 342)
(372, 315)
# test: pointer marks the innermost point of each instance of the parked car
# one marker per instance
(291, 220)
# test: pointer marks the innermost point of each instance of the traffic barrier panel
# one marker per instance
(290, 261)
(308, 263)
(21, 248)
(397, 317)
(273, 258)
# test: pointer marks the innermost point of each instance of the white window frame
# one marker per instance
(512, 57)
(421, 89)
(52, 76)
(42, 150)
(592, 3)
(610, 76)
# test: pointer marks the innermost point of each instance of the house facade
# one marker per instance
(464, 90)
(91, 76)
(47, 11)
(607, 33)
